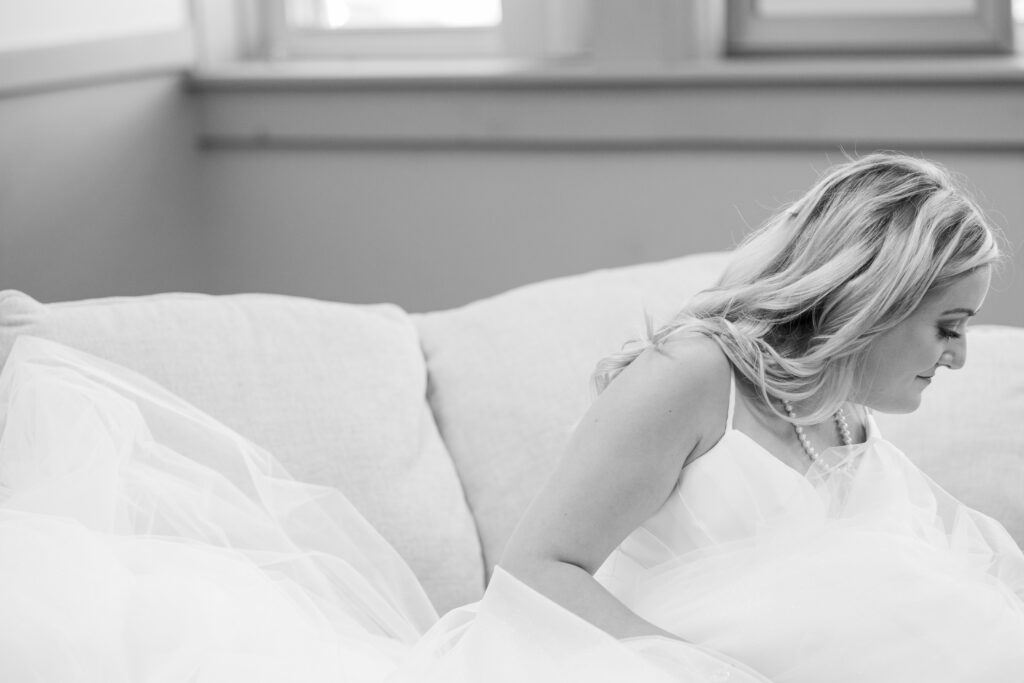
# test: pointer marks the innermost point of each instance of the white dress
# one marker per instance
(141, 540)
(861, 570)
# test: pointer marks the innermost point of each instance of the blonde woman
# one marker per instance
(730, 488)
(726, 511)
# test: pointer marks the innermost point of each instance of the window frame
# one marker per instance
(989, 29)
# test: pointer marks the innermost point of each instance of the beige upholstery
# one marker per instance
(335, 391)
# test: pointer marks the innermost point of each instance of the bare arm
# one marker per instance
(621, 465)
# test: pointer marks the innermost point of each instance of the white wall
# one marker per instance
(99, 192)
(434, 229)
(42, 23)
(433, 192)
(99, 189)
(104, 189)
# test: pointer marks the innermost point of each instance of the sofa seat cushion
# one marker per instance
(335, 391)
(510, 375)
(968, 434)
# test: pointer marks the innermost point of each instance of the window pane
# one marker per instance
(394, 14)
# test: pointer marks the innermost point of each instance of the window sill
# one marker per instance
(941, 103)
(497, 74)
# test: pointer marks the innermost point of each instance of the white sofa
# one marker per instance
(441, 426)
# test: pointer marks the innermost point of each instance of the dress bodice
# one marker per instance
(730, 493)
(791, 572)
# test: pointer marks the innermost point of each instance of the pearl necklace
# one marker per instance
(841, 426)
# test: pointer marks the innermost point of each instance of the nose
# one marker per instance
(955, 354)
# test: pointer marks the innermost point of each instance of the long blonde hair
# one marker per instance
(806, 293)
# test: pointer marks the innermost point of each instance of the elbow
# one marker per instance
(523, 567)
(536, 570)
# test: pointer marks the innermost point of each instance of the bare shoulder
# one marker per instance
(626, 454)
(680, 387)
(693, 364)
(699, 355)
(709, 374)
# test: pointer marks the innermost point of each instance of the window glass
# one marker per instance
(923, 27)
(864, 7)
(392, 14)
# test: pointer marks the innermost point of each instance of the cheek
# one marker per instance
(927, 350)
(886, 358)
(895, 358)
(911, 353)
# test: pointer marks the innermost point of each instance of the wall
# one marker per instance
(39, 23)
(432, 193)
(99, 188)
(434, 189)
(437, 229)
(99, 191)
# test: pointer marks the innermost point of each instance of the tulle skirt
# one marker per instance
(141, 540)
(867, 571)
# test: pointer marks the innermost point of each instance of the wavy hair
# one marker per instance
(805, 294)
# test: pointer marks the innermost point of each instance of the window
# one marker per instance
(318, 29)
(611, 30)
(870, 26)
(392, 14)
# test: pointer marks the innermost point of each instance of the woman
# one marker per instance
(743, 517)
(730, 487)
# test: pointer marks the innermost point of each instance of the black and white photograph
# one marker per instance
(512, 341)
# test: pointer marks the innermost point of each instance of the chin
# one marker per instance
(896, 404)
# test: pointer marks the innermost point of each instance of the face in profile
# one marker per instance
(901, 363)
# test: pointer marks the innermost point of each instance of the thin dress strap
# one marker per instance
(732, 397)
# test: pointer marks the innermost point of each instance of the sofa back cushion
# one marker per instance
(335, 391)
(509, 375)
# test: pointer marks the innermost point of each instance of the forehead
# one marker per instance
(961, 297)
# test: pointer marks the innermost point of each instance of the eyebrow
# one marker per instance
(970, 312)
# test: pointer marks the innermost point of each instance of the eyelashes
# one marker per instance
(946, 333)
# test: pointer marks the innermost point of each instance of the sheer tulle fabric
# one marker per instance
(144, 541)
(862, 570)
